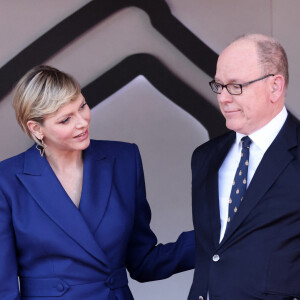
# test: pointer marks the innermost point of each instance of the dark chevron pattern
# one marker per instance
(140, 64)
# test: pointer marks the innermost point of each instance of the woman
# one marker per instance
(73, 212)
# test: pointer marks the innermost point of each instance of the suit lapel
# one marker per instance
(97, 182)
(276, 158)
(212, 192)
(41, 182)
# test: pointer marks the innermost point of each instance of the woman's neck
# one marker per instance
(61, 161)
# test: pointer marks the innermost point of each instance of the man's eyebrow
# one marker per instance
(229, 81)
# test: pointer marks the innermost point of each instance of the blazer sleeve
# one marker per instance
(9, 289)
(147, 261)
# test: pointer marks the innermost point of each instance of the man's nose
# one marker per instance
(224, 96)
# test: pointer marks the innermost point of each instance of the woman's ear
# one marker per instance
(35, 129)
(277, 87)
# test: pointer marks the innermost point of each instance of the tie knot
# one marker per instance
(246, 141)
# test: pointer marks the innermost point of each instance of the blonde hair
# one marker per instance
(40, 93)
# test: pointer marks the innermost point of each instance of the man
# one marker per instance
(246, 184)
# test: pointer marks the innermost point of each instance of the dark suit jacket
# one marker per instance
(259, 256)
(61, 252)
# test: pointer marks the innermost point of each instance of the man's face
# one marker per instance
(251, 110)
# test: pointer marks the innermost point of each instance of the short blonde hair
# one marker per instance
(40, 93)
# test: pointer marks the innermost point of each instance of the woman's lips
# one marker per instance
(82, 136)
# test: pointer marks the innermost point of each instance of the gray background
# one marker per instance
(165, 134)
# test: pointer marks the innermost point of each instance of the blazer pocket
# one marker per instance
(279, 297)
(283, 277)
(43, 287)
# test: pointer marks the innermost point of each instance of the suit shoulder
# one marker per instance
(211, 144)
(12, 163)
(9, 168)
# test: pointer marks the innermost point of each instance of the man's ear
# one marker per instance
(36, 129)
(277, 87)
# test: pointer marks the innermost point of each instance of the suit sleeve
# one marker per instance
(9, 289)
(147, 260)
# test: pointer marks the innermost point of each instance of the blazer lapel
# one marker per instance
(276, 158)
(97, 182)
(212, 192)
(43, 185)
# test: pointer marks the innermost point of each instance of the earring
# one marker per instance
(41, 148)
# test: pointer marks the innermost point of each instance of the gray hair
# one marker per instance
(272, 56)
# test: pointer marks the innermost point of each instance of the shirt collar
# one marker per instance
(264, 136)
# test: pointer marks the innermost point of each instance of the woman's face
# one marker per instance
(68, 128)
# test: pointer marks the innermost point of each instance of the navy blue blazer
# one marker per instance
(259, 256)
(61, 252)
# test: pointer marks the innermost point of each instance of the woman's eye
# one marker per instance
(65, 121)
(82, 106)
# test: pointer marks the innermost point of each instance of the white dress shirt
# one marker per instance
(261, 140)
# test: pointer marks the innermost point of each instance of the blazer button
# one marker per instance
(216, 258)
(201, 298)
(60, 287)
